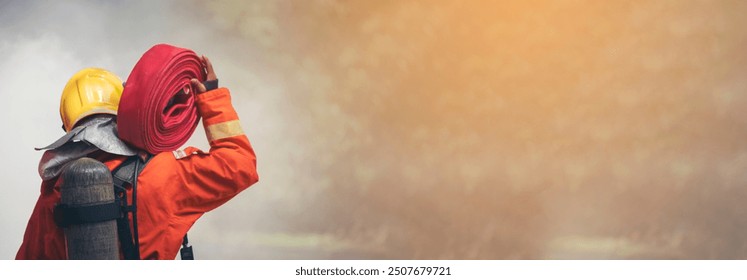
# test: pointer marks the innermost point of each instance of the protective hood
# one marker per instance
(96, 133)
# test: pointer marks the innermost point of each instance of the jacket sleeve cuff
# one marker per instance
(211, 85)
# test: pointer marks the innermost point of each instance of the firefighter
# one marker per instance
(173, 190)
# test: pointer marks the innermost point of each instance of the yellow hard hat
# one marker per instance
(90, 91)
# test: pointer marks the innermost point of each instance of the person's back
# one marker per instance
(173, 190)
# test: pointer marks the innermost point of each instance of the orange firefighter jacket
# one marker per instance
(174, 190)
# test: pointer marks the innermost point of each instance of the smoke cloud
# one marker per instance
(429, 130)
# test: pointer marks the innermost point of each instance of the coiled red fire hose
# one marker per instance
(157, 110)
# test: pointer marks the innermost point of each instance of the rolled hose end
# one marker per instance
(154, 114)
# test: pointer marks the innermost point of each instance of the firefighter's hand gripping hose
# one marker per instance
(157, 110)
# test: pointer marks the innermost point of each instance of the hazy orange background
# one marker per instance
(455, 129)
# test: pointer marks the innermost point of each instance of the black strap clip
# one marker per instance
(186, 251)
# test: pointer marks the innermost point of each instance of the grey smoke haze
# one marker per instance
(429, 130)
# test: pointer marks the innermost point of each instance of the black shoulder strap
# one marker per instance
(127, 173)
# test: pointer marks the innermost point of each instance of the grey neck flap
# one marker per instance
(97, 133)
